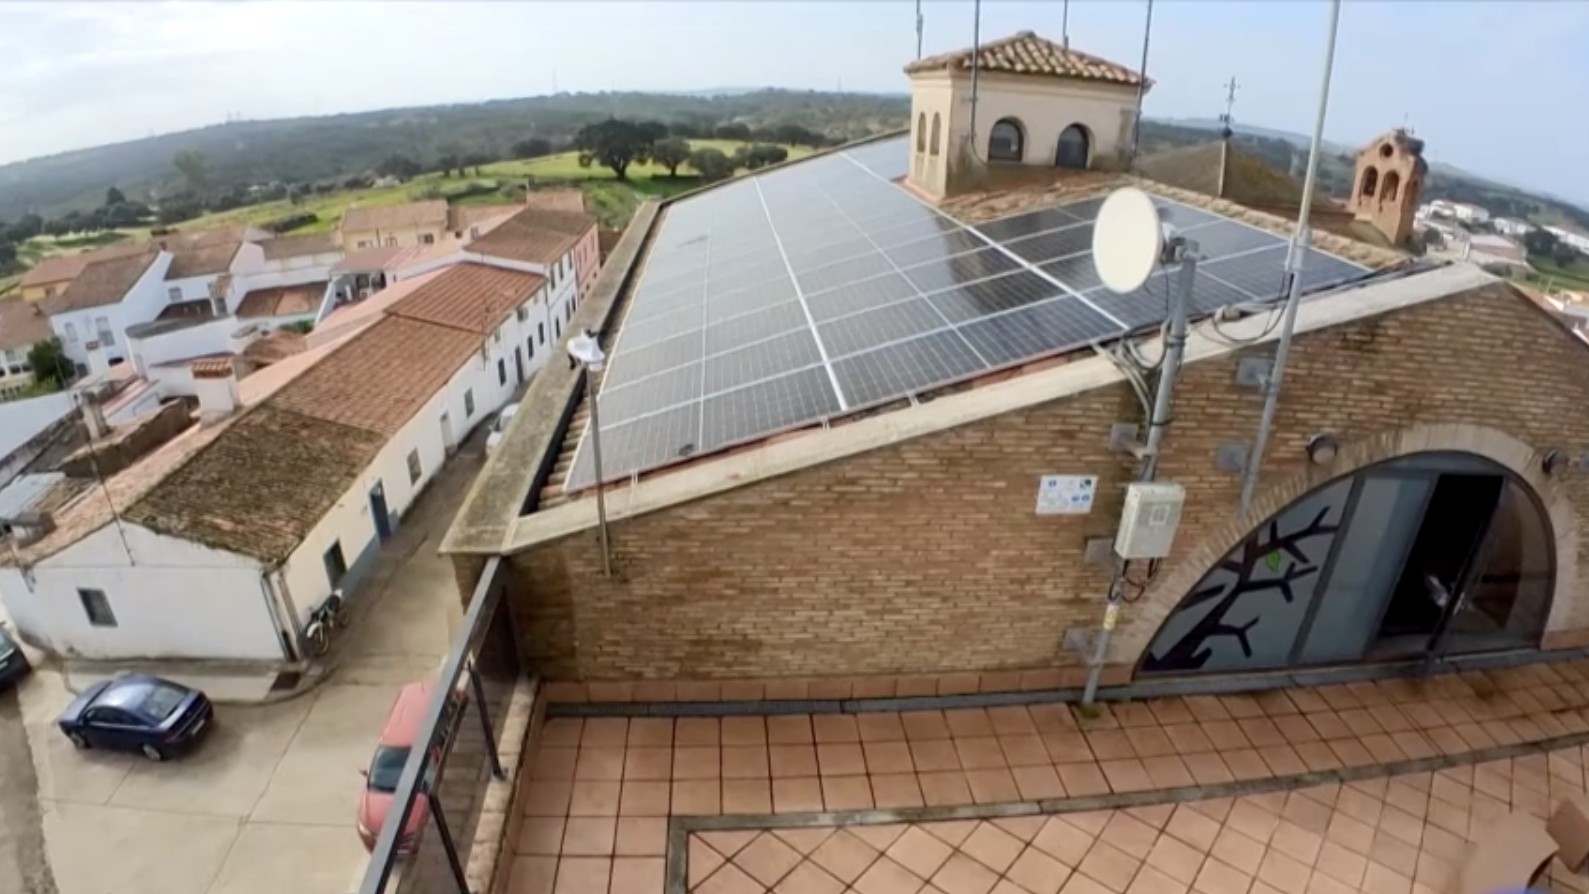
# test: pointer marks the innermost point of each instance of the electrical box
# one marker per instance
(1148, 522)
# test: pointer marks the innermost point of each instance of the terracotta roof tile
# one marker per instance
(556, 200)
(202, 261)
(274, 347)
(382, 217)
(534, 236)
(261, 485)
(1024, 53)
(22, 323)
(472, 297)
(100, 283)
(301, 246)
(61, 268)
(282, 301)
(381, 377)
(461, 217)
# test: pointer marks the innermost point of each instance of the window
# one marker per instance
(1370, 182)
(502, 371)
(921, 132)
(468, 403)
(336, 565)
(497, 335)
(363, 243)
(1006, 143)
(521, 313)
(474, 232)
(391, 241)
(71, 332)
(427, 239)
(49, 291)
(1392, 186)
(1075, 148)
(557, 329)
(174, 294)
(529, 343)
(932, 147)
(97, 606)
(414, 468)
(540, 332)
(107, 336)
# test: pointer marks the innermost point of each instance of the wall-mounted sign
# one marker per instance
(1065, 494)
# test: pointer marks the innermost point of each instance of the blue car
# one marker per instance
(13, 664)
(137, 713)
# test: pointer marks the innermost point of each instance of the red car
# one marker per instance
(386, 766)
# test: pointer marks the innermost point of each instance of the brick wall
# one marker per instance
(926, 557)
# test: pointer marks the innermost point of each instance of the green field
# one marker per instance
(1549, 273)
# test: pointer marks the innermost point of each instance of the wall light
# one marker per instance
(1553, 461)
(1322, 449)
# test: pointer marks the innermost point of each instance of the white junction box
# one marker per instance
(1149, 519)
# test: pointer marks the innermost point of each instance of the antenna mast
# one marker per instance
(1230, 102)
(919, 25)
(1142, 86)
(1064, 26)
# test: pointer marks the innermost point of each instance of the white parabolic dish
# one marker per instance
(1126, 240)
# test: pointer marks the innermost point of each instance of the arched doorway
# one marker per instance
(1075, 148)
(1425, 555)
(1007, 141)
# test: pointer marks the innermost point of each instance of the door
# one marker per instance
(447, 441)
(383, 522)
(518, 358)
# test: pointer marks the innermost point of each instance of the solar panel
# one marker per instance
(789, 296)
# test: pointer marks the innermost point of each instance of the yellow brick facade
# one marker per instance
(926, 557)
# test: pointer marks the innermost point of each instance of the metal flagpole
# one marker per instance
(1142, 85)
(1299, 243)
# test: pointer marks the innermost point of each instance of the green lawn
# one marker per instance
(1548, 271)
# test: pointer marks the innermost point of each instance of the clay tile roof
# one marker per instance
(100, 283)
(534, 236)
(472, 297)
(282, 301)
(1025, 53)
(460, 218)
(381, 377)
(22, 323)
(556, 200)
(384, 217)
(300, 246)
(212, 368)
(203, 261)
(260, 486)
(275, 347)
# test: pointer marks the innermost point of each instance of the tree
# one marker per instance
(1433, 238)
(1540, 241)
(614, 144)
(447, 163)
(733, 131)
(790, 134)
(400, 166)
(670, 153)
(194, 168)
(8, 254)
(711, 164)
(26, 227)
(473, 160)
(113, 196)
(1565, 255)
(535, 147)
(49, 363)
(759, 156)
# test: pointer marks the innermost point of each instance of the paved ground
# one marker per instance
(831, 803)
(266, 805)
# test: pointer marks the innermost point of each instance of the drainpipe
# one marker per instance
(292, 609)
(284, 634)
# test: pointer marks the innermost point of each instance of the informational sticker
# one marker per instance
(1065, 494)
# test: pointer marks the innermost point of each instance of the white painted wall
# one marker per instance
(172, 599)
(142, 303)
(1046, 106)
(211, 337)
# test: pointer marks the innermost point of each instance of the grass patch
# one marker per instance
(1546, 270)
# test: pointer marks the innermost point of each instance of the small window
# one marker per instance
(427, 239)
(71, 332)
(540, 332)
(107, 336)
(391, 241)
(174, 294)
(414, 468)
(502, 371)
(921, 132)
(557, 329)
(336, 564)
(521, 314)
(530, 344)
(363, 243)
(1006, 141)
(97, 606)
(468, 403)
(932, 146)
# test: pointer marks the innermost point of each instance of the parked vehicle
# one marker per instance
(386, 765)
(499, 426)
(13, 664)
(156, 717)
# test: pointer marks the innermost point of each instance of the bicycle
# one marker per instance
(327, 617)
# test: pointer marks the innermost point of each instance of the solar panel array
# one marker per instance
(818, 289)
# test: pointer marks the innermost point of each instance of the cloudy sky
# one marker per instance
(1494, 87)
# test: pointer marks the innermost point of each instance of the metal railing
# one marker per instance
(482, 666)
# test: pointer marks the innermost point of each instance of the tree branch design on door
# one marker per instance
(1267, 564)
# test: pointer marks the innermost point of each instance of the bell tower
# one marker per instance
(1390, 175)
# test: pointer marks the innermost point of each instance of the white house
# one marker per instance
(104, 299)
(226, 538)
(1511, 226)
(1469, 213)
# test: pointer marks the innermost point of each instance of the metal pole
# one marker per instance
(976, 65)
(601, 497)
(485, 720)
(1142, 85)
(918, 29)
(1299, 242)
(1064, 26)
(1163, 408)
(447, 844)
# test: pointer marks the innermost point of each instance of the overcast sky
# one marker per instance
(1494, 87)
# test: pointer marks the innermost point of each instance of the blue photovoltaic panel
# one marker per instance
(783, 298)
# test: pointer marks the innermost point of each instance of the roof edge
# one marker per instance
(779, 458)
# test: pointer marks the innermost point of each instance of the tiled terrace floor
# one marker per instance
(600, 793)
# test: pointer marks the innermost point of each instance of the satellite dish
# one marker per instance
(1126, 240)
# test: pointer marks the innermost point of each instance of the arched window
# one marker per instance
(1426, 555)
(933, 146)
(1392, 187)
(1370, 182)
(1075, 148)
(921, 132)
(1007, 142)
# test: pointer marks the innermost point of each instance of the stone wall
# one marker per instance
(926, 557)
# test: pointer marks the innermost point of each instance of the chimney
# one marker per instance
(215, 384)
(244, 337)
(97, 361)
(93, 415)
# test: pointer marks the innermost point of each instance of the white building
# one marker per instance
(1576, 240)
(1511, 226)
(1469, 213)
(225, 539)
